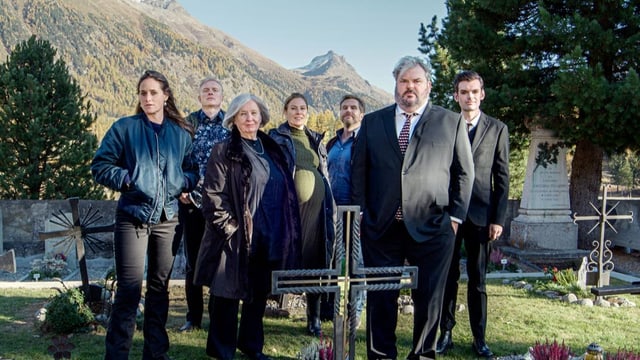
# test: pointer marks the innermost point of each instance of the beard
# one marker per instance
(408, 102)
(348, 121)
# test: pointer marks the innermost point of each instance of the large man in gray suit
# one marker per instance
(486, 216)
(412, 175)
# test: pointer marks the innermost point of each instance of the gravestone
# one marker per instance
(60, 245)
(8, 261)
(544, 217)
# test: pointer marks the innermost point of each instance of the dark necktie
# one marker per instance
(403, 137)
(471, 132)
(403, 141)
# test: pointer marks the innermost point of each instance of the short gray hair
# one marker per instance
(408, 62)
(238, 102)
(211, 78)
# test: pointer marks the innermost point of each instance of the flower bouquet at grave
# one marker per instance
(500, 262)
(562, 281)
(321, 349)
(49, 267)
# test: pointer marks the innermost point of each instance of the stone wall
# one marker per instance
(22, 221)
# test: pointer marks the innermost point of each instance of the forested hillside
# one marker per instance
(108, 44)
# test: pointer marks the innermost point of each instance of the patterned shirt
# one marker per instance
(208, 132)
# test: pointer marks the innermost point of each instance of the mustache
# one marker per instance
(409, 92)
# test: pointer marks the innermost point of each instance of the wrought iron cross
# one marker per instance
(600, 257)
(329, 281)
(80, 230)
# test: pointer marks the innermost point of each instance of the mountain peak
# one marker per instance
(329, 64)
(163, 4)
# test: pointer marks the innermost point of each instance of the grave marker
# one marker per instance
(79, 230)
(329, 281)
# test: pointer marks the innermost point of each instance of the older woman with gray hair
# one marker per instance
(252, 228)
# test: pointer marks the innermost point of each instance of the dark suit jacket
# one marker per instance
(490, 194)
(433, 182)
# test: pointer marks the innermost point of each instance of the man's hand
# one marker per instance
(184, 198)
(454, 226)
(495, 231)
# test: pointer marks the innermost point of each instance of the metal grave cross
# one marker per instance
(600, 257)
(80, 230)
(348, 252)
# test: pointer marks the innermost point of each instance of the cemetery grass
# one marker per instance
(517, 320)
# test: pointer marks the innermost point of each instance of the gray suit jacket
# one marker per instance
(432, 182)
(490, 194)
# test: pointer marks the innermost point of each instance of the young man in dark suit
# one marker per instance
(486, 216)
(412, 175)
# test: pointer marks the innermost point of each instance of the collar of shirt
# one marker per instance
(400, 119)
(205, 119)
(339, 133)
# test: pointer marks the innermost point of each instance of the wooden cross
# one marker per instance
(79, 229)
(347, 251)
(600, 257)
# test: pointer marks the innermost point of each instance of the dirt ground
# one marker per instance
(626, 263)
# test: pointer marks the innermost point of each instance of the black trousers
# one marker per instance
(478, 250)
(133, 243)
(192, 223)
(224, 333)
(432, 258)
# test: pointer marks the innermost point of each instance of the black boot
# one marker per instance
(313, 314)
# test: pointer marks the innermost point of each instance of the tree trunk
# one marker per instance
(584, 187)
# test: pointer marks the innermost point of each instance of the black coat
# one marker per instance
(282, 136)
(223, 256)
(432, 182)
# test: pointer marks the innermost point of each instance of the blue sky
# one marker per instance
(371, 34)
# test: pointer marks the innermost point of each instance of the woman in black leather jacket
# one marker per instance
(147, 157)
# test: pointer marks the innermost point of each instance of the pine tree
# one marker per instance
(47, 145)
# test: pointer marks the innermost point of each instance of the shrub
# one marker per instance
(624, 355)
(67, 312)
(548, 351)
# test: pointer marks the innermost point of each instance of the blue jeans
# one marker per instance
(133, 242)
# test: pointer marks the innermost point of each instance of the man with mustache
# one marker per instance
(339, 160)
(412, 175)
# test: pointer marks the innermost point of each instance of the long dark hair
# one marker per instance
(170, 109)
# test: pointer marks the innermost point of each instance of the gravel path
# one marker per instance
(97, 269)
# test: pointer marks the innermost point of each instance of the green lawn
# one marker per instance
(517, 319)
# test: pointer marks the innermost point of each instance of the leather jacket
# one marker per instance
(158, 166)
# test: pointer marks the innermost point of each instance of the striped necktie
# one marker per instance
(403, 141)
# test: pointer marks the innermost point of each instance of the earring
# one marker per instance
(165, 103)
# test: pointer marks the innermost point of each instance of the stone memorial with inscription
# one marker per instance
(544, 217)
(60, 245)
